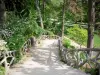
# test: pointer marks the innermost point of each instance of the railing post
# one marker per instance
(77, 59)
(99, 68)
(5, 62)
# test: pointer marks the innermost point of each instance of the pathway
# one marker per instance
(45, 61)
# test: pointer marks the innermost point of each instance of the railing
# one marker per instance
(4, 55)
(80, 57)
(25, 47)
(43, 37)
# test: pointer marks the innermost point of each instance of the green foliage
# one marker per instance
(2, 70)
(69, 16)
(20, 31)
(56, 3)
(97, 40)
(82, 56)
(48, 32)
(67, 43)
(78, 34)
(92, 71)
(15, 42)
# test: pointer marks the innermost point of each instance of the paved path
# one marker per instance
(45, 61)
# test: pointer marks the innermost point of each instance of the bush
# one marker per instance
(67, 43)
(20, 30)
(49, 33)
(78, 34)
(15, 42)
(2, 70)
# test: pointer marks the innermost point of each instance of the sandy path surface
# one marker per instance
(45, 61)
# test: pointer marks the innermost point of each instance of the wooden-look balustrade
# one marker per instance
(71, 56)
(4, 55)
(43, 37)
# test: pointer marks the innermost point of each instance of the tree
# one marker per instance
(2, 14)
(39, 12)
(63, 16)
(97, 4)
(43, 9)
(91, 23)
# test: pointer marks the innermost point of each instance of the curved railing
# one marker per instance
(25, 47)
(79, 57)
(43, 37)
(4, 55)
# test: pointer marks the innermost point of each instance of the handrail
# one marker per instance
(70, 55)
(49, 37)
(25, 46)
(6, 54)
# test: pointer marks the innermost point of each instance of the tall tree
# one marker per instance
(91, 23)
(39, 12)
(43, 9)
(2, 13)
(63, 17)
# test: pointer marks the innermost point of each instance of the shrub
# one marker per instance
(78, 34)
(66, 43)
(49, 33)
(20, 30)
(2, 70)
(15, 42)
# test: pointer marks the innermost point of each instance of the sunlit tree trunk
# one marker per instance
(2, 14)
(43, 9)
(39, 12)
(63, 16)
(91, 23)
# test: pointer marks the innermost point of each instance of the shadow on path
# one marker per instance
(45, 61)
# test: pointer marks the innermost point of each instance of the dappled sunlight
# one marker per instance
(45, 61)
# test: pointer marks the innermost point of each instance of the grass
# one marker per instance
(66, 43)
(96, 41)
(2, 70)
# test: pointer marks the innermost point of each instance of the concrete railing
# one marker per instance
(4, 55)
(79, 57)
(43, 37)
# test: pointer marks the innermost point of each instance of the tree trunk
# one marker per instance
(2, 14)
(43, 9)
(63, 17)
(39, 12)
(91, 23)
